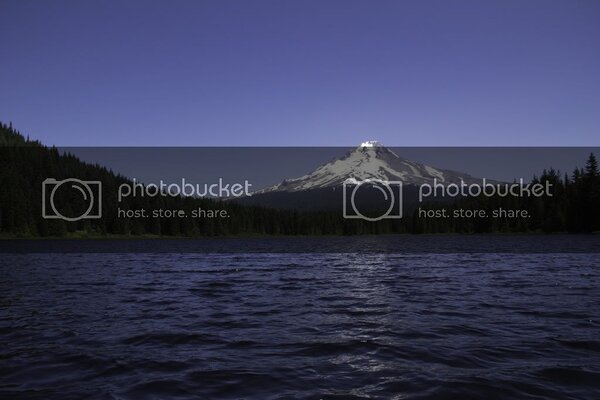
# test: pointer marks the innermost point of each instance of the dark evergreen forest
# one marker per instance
(25, 164)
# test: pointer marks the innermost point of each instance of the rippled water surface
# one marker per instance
(260, 326)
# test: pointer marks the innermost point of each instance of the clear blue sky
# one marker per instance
(302, 72)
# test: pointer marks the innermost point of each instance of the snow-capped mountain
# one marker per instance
(370, 160)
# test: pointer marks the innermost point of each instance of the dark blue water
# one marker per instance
(261, 326)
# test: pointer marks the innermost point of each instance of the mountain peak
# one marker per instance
(371, 160)
(371, 143)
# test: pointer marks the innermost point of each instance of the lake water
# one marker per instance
(300, 325)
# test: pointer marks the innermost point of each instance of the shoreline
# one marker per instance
(254, 236)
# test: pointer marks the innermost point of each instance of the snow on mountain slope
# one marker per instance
(370, 160)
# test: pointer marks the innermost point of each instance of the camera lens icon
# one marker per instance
(372, 199)
(71, 199)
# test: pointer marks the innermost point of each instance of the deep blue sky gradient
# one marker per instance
(323, 73)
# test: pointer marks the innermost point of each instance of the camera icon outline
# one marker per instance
(395, 199)
(49, 187)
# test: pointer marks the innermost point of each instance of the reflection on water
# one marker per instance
(299, 326)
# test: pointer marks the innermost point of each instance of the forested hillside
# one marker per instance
(25, 164)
